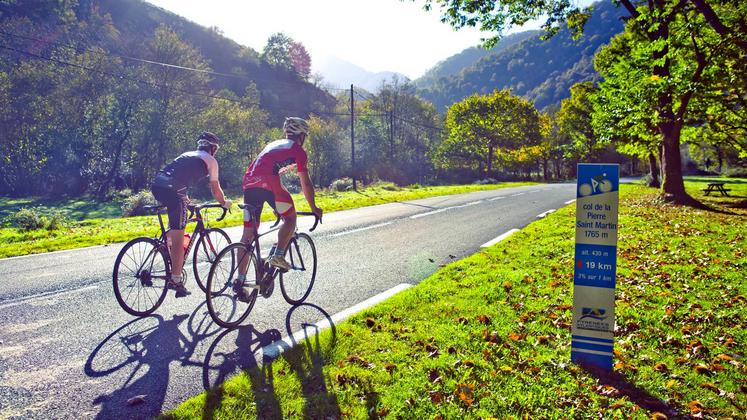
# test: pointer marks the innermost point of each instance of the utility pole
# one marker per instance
(352, 136)
(391, 137)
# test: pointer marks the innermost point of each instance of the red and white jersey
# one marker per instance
(274, 157)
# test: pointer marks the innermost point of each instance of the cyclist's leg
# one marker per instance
(177, 210)
(254, 197)
(176, 204)
(283, 205)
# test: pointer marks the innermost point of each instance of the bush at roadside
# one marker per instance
(36, 218)
(135, 204)
(342, 184)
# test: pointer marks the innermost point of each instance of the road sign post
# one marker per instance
(595, 265)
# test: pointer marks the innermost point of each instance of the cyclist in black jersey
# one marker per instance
(170, 188)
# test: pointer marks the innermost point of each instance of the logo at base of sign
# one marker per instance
(594, 313)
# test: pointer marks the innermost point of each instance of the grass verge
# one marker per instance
(98, 231)
(489, 336)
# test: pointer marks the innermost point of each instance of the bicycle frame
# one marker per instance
(194, 216)
(267, 275)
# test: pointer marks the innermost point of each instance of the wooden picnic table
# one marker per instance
(716, 187)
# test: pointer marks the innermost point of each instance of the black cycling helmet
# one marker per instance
(208, 140)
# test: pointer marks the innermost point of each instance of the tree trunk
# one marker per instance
(490, 160)
(545, 173)
(654, 174)
(673, 186)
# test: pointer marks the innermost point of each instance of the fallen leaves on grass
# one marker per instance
(466, 393)
(695, 406)
(702, 369)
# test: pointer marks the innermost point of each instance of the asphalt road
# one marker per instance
(67, 350)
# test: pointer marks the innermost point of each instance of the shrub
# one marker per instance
(342, 184)
(56, 220)
(134, 204)
(388, 186)
(486, 181)
(28, 219)
(415, 186)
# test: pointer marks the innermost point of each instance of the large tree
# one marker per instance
(661, 25)
(483, 128)
(277, 50)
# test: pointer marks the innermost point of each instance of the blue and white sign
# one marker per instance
(595, 265)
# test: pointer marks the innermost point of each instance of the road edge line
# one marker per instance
(500, 238)
(275, 349)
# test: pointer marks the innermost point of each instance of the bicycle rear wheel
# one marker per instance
(296, 284)
(223, 285)
(208, 246)
(140, 274)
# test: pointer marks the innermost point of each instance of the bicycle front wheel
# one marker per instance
(140, 274)
(208, 246)
(296, 284)
(224, 287)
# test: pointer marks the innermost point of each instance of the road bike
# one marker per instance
(224, 287)
(143, 267)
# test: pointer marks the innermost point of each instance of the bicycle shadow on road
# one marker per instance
(146, 346)
(255, 354)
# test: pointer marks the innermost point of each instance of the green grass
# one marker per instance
(76, 209)
(103, 229)
(489, 336)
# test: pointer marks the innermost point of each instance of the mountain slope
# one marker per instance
(542, 71)
(457, 62)
(124, 27)
(281, 92)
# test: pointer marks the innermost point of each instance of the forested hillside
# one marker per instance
(97, 95)
(541, 71)
(458, 62)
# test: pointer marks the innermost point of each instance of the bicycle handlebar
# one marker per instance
(197, 208)
(317, 219)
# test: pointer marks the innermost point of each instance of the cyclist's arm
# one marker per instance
(215, 183)
(308, 191)
(217, 192)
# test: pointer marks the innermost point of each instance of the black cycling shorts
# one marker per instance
(256, 198)
(175, 201)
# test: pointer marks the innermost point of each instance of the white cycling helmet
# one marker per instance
(296, 126)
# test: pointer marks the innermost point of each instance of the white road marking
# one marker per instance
(517, 194)
(275, 349)
(20, 301)
(541, 215)
(472, 203)
(500, 238)
(570, 201)
(497, 198)
(361, 229)
(63, 251)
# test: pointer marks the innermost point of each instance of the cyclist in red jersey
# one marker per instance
(262, 184)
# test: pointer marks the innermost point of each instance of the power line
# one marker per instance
(142, 60)
(154, 84)
(418, 124)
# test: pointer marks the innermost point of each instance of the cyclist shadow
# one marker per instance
(146, 346)
(255, 354)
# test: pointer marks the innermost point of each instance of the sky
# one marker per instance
(378, 35)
